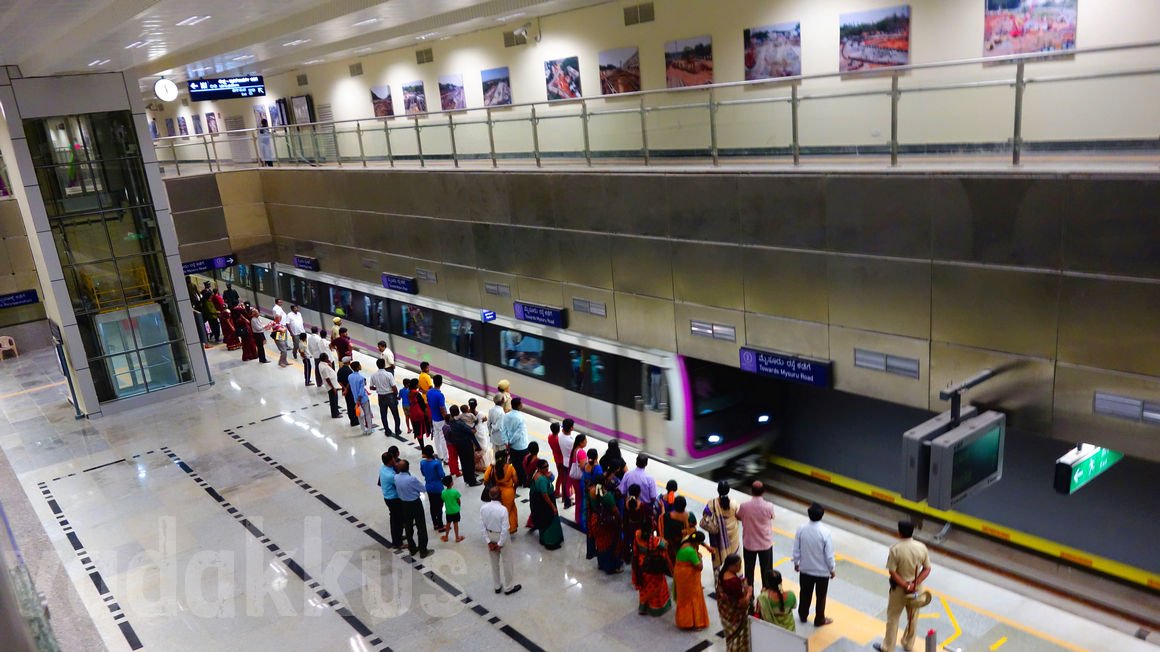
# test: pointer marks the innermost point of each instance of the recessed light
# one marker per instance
(313, 61)
(297, 41)
(509, 17)
(428, 35)
(98, 62)
(244, 57)
(368, 21)
(193, 20)
(362, 50)
(135, 44)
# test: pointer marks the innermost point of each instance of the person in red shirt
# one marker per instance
(558, 458)
(418, 408)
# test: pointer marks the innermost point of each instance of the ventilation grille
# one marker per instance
(426, 275)
(302, 80)
(356, 69)
(642, 13)
(715, 331)
(1126, 407)
(511, 39)
(596, 308)
(424, 56)
(498, 289)
(891, 364)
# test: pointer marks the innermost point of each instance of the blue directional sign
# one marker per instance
(308, 263)
(22, 298)
(208, 264)
(537, 314)
(398, 283)
(487, 315)
(787, 367)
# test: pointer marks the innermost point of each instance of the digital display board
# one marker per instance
(227, 88)
(967, 459)
(1081, 465)
(916, 452)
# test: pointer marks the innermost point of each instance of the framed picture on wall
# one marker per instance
(153, 129)
(381, 101)
(303, 109)
(879, 38)
(197, 129)
(497, 86)
(773, 51)
(620, 71)
(562, 78)
(414, 98)
(451, 94)
(182, 126)
(259, 115)
(277, 116)
(689, 62)
(169, 130)
(211, 123)
(1022, 26)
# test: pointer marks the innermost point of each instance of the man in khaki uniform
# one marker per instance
(909, 566)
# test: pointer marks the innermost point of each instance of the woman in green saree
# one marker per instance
(545, 516)
(775, 605)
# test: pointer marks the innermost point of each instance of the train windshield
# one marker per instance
(725, 410)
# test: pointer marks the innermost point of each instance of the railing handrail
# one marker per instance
(876, 73)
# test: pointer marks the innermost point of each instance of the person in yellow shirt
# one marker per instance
(909, 566)
(425, 382)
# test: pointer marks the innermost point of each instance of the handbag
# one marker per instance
(710, 521)
(575, 472)
(488, 483)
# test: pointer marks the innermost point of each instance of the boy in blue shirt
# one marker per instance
(433, 475)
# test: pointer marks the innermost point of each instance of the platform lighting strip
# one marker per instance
(193, 20)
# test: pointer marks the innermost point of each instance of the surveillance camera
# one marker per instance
(522, 30)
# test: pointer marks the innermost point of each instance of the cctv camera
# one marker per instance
(522, 30)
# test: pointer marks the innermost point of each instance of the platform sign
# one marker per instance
(308, 263)
(22, 298)
(1081, 465)
(787, 367)
(487, 316)
(398, 283)
(545, 315)
(227, 88)
(208, 264)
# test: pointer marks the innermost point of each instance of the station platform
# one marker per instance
(244, 517)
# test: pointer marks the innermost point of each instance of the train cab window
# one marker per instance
(463, 337)
(724, 406)
(522, 352)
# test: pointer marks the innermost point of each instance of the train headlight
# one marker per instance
(764, 418)
(714, 438)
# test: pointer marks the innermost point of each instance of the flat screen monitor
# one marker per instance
(967, 459)
(227, 88)
(916, 452)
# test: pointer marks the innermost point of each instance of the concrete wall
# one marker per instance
(1053, 278)
(18, 273)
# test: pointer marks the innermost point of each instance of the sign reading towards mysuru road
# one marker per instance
(1081, 465)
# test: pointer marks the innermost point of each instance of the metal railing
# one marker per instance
(631, 124)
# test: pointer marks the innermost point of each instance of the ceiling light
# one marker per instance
(193, 20)
(369, 21)
(297, 41)
(244, 57)
(312, 62)
(362, 50)
(510, 17)
(135, 44)
(424, 37)
(98, 62)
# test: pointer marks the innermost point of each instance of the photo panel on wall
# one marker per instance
(182, 126)
(259, 115)
(197, 124)
(277, 116)
(773, 51)
(414, 98)
(1023, 26)
(153, 129)
(169, 130)
(451, 94)
(620, 71)
(689, 62)
(497, 86)
(381, 101)
(879, 38)
(211, 123)
(562, 78)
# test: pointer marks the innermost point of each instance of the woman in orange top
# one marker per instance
(503, 475)
(691, 610)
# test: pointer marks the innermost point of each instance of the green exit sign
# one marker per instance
(1081, 465)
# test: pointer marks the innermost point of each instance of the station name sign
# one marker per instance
(398, 283)
(787, 367)
(22, 298)
(208, 264)
(307, 263)
(544, 315)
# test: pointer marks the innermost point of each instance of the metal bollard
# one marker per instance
(931, 641)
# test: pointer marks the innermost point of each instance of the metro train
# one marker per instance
(687, 412)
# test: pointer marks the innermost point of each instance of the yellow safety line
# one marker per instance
(954, 623)
(33, 389)
(998, 644)
(1035, 543)
(930, 615)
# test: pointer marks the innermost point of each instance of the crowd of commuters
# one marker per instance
(627, 523)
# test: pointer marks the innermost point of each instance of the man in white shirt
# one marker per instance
(495, 424)
(567, 440)
(383, 384)
(278, 310)
(386, 356)
(293, 321)
(813, 559)
(315, 347)
(329, 382)
(493, 516)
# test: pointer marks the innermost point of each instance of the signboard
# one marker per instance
(227, 88)
(398, 283)
(208, 264)
(487, 316)
(787, 367)
(545, 315)
(22, 298)
(966, 459)
(1081, 465)
(916, 452)
(307, 263)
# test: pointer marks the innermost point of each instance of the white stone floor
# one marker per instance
(243, 517)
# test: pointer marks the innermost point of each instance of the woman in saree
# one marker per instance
(691, 610)
(249, 347)
(591, 483)
(502, 475)
(775, 605)
(733, 600)
(604, 525)
(545, 515)
(719, 519)
(636, 514)
(676, 525)
(578, 458)
(230, 331)
(650, 571)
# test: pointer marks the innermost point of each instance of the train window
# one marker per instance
(463, 338)
(416, 322)
(338, 301)
(373, 312)
(298, 291)
(243, 277)
(592, 372)
(522, 352)
(262, 281)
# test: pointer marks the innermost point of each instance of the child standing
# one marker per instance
(433, 476)
(450, 499)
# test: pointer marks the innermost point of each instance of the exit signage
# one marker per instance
(1081, 465)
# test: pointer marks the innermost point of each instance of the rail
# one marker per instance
(691, 121)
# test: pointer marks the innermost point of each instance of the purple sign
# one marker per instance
(787, 367)
(537, 314)
(400, 283)
(24, 298)
(208, 264)
(308, 263)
